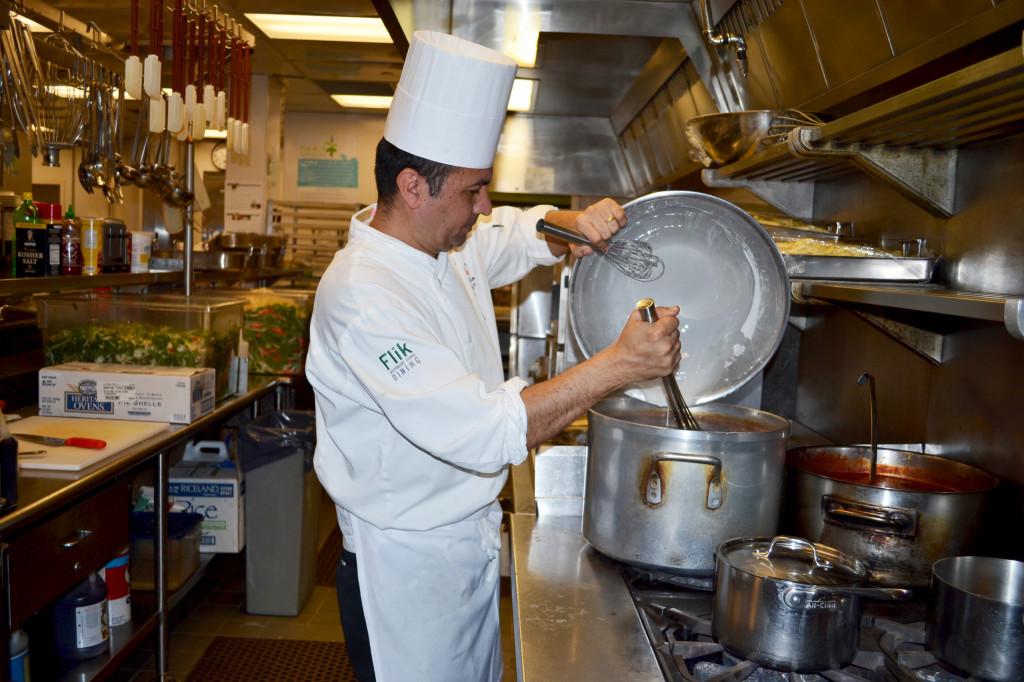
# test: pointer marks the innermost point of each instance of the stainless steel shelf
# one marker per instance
(929, 298)
(909, 141)
(23, 286)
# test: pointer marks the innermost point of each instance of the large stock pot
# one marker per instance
(658, 495)
(666, 497)
(919, 509)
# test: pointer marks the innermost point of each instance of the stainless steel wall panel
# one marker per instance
(912, 23)
(984, 244)
(829, 400)
(657, 141)
(560, 155)
(762, 93)
(789, 50)
(638, 170)
(850, 38)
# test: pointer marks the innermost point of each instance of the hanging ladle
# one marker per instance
(870, 380)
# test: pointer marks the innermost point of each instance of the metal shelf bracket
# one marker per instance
(795, 198)
(926, 176)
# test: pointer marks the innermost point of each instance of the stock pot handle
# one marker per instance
(890, 520)
(655, 493)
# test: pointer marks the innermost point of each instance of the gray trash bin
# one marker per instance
(282, 494)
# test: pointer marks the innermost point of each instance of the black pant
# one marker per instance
(353, 622)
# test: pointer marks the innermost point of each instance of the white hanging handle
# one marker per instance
(133, 77)
(157, 116)
(210, 102)
(152, 76)
(244, 134)
(220, 111)
(175, 113)
(199, 122)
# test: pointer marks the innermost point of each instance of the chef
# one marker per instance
(416, 424)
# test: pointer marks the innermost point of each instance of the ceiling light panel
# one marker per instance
(317, 27)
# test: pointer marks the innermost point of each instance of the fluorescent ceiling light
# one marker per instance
(363, 101)
(522, 95)
(319, 27)
(524, 49)
(521, 98)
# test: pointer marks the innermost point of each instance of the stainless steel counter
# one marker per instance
(574, 619)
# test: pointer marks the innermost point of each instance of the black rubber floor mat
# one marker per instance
(229, 659)
(327, 558)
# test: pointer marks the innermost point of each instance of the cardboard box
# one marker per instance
(134, 392)
(217, 491)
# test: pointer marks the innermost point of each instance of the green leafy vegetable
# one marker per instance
(131, 343)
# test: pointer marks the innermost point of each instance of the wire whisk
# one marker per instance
(633, 258)
(676, 402)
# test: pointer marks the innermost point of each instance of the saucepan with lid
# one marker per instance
(790, 604)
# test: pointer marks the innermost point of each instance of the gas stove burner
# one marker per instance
(675, 611)
(907, 657)
(687, 652)
(655, 579)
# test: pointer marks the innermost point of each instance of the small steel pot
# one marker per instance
(976, 617)
(790, 604)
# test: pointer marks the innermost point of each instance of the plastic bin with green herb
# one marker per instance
(142, 330)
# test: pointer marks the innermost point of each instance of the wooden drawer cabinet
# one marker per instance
(51, 558)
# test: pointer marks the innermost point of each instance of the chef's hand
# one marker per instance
(648, 350)
(598, 222)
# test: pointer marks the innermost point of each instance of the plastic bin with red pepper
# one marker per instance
(275, 324)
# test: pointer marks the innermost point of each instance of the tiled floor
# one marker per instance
(218, 609)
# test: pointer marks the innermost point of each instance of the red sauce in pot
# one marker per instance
(891, 482)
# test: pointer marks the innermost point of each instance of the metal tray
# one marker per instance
(862, 269)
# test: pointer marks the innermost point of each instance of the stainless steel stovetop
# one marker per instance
(676, 614)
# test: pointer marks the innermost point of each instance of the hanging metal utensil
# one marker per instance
(132, 65)
(220, 118)
(152, 68)
(199, 115)
(870, 380)
(210, 89)
(191, 98)
(175, 101)
(62, 102)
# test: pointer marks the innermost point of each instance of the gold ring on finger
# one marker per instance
(610, 218)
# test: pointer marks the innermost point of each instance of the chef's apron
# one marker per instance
(431, 599)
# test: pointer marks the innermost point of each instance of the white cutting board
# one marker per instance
(118, 435)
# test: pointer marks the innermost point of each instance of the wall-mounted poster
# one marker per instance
(329, 157)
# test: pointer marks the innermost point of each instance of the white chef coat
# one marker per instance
(415, 428)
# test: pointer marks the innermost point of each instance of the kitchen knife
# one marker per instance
(74, 442)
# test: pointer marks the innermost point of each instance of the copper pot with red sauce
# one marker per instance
(919, 508)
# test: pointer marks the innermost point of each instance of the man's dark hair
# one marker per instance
(391, 161)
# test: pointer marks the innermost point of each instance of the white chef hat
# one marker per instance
(451, 101)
